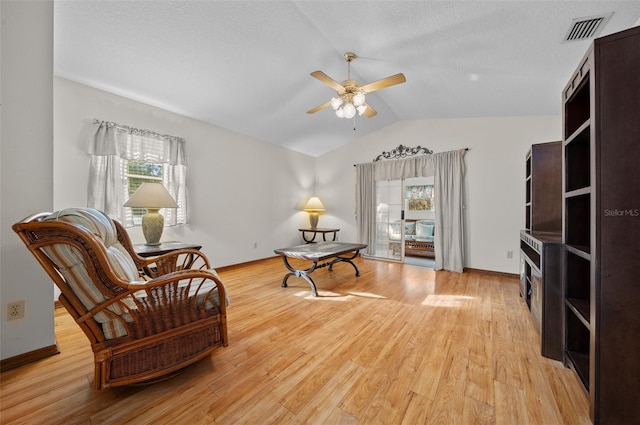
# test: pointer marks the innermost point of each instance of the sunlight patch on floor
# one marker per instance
(446, 300)
(335, 296)
(323, 296)
(367, 295)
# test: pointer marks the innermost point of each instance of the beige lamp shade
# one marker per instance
(313, 205)
(152, 196)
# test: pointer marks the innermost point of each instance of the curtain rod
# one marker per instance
(466, 149)
(137, 131)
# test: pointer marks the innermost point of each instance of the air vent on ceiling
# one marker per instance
(585, 28)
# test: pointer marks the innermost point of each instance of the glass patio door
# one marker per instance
(389, 220)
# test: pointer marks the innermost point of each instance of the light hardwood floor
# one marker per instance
(400, 344)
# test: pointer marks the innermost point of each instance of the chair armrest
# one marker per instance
(180, 278)
(182, 259)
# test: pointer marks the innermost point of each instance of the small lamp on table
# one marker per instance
(151, 196)
(313, 205)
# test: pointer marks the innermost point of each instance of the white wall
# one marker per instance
(494, 179)
(241, 191)
(26, 151)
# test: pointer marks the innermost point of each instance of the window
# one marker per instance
(136, 173)
(122, 158)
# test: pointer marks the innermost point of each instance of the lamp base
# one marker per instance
(313, 220)
(152, 226)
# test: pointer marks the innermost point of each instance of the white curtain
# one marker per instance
(449, 232)
(366, 205)
(447, 169)
(111, 147)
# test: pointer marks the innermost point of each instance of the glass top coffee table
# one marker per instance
(330, 252)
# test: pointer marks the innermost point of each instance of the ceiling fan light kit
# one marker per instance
(348, 103)
(350, 94)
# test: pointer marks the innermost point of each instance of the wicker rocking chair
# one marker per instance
(146, 318)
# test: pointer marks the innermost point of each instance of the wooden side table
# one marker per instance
(322, 230)
(144, 250)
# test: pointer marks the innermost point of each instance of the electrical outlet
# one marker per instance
(15, 310)
(255, 245)
(509, 255)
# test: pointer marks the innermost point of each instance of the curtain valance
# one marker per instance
(419, 166)
(137, 145)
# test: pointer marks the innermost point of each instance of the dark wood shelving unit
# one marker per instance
(541, 245)
(601, 226)
(543, 180)
(578, 222)
(581, 309)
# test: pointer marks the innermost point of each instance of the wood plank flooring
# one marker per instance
(400, 344)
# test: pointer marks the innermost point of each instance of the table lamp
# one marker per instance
(313, 205)
(151, 196)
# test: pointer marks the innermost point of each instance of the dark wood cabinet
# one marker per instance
(541, 287)
(601, 226)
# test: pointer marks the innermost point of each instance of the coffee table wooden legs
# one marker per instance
(305, 273)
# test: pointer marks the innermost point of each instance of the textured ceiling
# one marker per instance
(244, 65)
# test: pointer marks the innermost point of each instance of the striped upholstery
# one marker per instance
(72, 267)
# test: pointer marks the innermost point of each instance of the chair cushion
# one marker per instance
(70, 261)
(410, 228)
(423, 239)
(91, 219)
(103, 228)
(395, 227)
(395, 231)
(425, 228)
(71, 266)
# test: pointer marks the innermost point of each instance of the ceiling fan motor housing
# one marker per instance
(351, 88)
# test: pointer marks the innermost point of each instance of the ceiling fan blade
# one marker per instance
(327, 80)
(369, 112)
(317, 108)
(384, 83)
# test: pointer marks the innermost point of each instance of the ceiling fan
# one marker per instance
(350, 94)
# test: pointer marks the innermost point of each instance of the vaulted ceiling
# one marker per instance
(245, 65)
